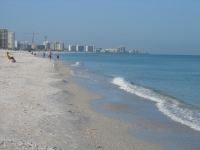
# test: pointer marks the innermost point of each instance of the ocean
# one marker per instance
(158, 95)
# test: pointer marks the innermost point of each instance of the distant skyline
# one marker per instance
(154, 26)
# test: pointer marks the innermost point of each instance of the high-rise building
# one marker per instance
(17, 44)
(79, 48)
(72, 48)
(89, 48)
(62, 46)
(110, 50)
(11, 39)
(97, 50)
(120, 49)
(59, 46)
(46, 45)
(56, 45)
(23, 45)
(3, 38)
(7, 39)
(53, 45)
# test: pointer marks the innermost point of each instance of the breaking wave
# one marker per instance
(77, 64)
(171, 107)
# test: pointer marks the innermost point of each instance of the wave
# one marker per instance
(171, 107)
(77, 64)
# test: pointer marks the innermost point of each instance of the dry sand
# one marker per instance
(41, 108)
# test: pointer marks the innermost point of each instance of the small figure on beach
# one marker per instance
(57, 56)
(50, 55)
(10, 57)
(34, 53)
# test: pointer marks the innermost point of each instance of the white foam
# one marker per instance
(77, 64)
(171, 107)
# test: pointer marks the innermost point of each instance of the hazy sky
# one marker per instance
(154, 26)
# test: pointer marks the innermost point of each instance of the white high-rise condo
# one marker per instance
(11, 39)
(72, 48)
(79, 48)
(89, 48)
(7, 39)
(3, 38)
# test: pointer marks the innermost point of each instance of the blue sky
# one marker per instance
(154, 26)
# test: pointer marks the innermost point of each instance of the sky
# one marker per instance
(154, 26)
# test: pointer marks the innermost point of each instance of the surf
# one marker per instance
(77, 64)
(171, 107)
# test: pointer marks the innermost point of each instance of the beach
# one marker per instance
(42, 108)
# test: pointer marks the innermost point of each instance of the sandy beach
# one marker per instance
(42, 108)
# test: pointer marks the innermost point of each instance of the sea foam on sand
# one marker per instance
(41, 108)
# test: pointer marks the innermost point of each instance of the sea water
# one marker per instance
(158, 94)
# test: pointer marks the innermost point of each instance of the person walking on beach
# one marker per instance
(57, 56)
(50, 55)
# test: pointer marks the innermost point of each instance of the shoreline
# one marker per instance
(101, 132)
(56, 112)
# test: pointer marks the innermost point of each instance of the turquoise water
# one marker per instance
(168, 86)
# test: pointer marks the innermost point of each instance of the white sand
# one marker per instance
(41, 108)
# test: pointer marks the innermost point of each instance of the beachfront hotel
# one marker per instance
(120, 49)
(7, 39)
(3, 38)
(72, 48)
(79, 48)
(46, 45)
(11, 39)
(23, 45)
(89, 48)
(56, 46)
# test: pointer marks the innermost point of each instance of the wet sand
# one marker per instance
(42, 108)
